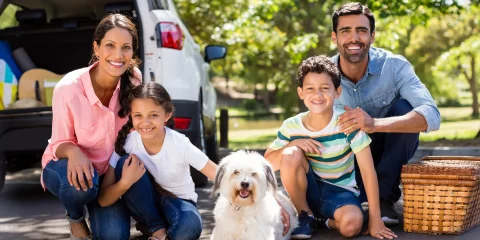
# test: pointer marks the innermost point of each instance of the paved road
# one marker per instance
(26, 212)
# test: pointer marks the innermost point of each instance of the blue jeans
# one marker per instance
(324, 199)
(390, 151)
(112, 222)
(180, 217)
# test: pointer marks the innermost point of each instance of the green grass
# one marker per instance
(453, 131)
(259, 142)
(233, 112)
(259, 134)
(450, 114)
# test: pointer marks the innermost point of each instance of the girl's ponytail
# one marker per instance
(170, 123)
(122, 137)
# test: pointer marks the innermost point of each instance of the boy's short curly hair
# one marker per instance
(318, 64)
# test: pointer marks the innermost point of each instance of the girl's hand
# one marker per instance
(308, 145)
(378, 230)
(79, 168)
(133, 170)
(285, 220)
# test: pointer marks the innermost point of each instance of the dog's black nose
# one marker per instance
(244, 184)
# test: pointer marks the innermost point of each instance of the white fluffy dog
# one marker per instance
(247, 208)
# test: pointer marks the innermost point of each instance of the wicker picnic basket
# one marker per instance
(441, 194)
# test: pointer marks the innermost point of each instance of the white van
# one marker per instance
(57, 36)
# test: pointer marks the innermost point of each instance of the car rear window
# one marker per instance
(160, 4)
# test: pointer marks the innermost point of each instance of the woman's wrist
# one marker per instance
(72, 151)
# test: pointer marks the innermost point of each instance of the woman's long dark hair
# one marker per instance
(121, 21)
(160, 96)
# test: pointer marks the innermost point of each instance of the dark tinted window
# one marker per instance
(160, 4)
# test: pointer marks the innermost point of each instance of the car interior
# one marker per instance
(59, 42)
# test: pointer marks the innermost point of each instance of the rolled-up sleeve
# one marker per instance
(415, 92)
(63, 130)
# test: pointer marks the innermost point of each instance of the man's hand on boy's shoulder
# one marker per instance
(355, 118)
(308, 145)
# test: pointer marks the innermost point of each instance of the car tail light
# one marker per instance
(171, 35)
(182, 123)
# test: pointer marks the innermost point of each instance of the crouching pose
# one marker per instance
(316, 159)
(164, 203)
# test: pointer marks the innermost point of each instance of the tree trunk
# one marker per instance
(226, 81)
(255, 91)
(266, 97)
(405, 41)
(475, 112)
(472, 81)
(273, 97)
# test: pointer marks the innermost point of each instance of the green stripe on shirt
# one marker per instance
(336, 164)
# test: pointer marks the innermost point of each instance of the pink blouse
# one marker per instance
(81, 119)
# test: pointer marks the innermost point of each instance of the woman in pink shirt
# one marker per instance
(87, 115)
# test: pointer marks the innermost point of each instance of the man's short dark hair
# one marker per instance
(318, 64)
(353, 8)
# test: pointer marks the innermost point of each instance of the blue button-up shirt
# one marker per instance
(388, 77)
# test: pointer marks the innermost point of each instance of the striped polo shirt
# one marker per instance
(336, 165)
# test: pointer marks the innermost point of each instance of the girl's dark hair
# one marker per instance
(151, 90)
(157, 93)
(107, 23)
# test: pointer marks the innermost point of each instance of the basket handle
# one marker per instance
(468, 158)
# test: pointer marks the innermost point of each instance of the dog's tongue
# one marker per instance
(244, 193)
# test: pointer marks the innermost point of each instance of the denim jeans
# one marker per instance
(180, 217)
(324, 199)
(390, 151)
(112, 222)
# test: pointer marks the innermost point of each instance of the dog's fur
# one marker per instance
(250, 211)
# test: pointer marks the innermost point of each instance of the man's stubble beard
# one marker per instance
(354, 58)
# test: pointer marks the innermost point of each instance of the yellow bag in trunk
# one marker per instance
(8, 85)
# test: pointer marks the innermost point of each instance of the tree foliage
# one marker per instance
(462, 63)
(437, 36)
(267, 39)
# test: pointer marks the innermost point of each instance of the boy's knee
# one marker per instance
(292, 157)
(351, 225)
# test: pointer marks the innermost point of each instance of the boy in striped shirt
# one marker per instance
(316, 159)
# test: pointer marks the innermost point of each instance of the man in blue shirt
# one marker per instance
(384, 97)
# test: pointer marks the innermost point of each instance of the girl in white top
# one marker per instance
(164, 199)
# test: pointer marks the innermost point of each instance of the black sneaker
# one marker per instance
(320, 222)
(304, 229)
(389, 215)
